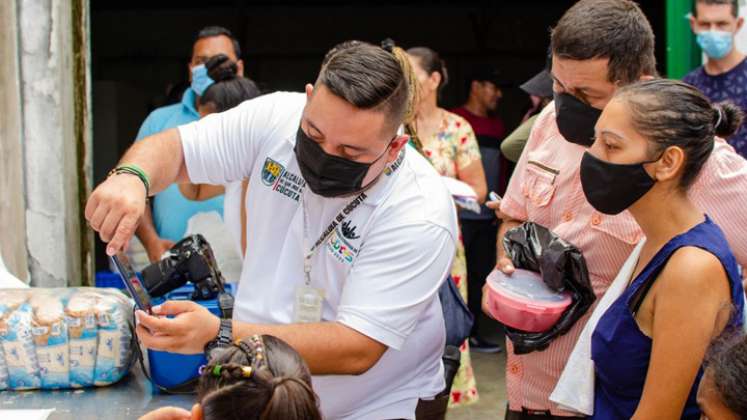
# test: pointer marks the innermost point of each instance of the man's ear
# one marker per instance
(740, 23)
(396, 146)
(309, 91)
(692, 22)
(474, 86)
(240, 67)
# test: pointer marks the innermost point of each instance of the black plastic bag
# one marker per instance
(563, 268)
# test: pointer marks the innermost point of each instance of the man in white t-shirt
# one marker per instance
(351, 232)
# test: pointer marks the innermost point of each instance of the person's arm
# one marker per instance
(329, 348)
(217, 149)
(154, 245)
(691, 307)
(371, 317)
(512, 145)
(201, 192)
(474, 175)
(116, 206)
(469, 161)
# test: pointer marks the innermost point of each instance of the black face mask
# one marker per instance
(610, 187)
(575, 119)
(325, 174)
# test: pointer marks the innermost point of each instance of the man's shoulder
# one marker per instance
(418, 194)
(545, 128)
(165, 117)
(274, 106)
(167, 111)
(695, 76)
(460, 110)
(724, 159)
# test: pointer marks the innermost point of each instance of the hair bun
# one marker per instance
(727, 118)
(388, 45)
(220, 67)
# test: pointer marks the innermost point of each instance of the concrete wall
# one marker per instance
(13, 202)
(54, 159)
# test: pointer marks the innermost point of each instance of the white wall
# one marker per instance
(741, 39)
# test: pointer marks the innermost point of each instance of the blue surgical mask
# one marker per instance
(200, 79)
(715, 44)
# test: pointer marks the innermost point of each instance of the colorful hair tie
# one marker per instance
(216, 370)
(201, 370)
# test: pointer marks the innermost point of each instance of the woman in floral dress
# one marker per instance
(447, 140)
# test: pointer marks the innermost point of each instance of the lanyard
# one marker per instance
(357, 201)
(325, 234)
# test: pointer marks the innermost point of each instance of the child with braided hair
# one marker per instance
(260, 378)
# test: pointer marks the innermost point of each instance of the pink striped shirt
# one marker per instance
(546, 189)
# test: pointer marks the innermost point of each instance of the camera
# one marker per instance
(190, 260)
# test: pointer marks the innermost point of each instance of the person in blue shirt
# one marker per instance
(724, 75)
(166, 221)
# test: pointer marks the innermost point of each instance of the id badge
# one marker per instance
(308, 305)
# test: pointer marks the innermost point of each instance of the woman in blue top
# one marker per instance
(652, 140)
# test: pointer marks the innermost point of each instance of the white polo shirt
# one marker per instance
(380, 268)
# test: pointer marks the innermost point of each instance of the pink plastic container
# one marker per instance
(523, 301)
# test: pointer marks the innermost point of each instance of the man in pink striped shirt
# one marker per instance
(597, 46)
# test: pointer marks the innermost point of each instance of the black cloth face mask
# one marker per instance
(325, 174)
(575, 119)
(610, 187)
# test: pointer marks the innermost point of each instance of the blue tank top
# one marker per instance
(621, 352)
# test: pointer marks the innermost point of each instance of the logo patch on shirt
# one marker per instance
(348, 231)
(271, 171)
(340, 248)
(275, 175)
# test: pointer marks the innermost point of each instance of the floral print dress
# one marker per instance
(453, 148)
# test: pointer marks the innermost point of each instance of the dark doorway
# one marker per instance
(141, 48)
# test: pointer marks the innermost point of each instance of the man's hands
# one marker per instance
(114, 209)
(495, 205)
(190, 329)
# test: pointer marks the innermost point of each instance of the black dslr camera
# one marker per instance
(190, 260)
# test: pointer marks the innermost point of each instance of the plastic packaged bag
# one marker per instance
(49, 332)
(18, 345)
(82, 329)
(563, 268)
(63, 338)
(114, 351)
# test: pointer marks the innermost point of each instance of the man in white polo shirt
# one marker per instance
(350, 232)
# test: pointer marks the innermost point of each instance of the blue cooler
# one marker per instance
(168, 370)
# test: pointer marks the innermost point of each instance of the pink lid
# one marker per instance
(527, 287)
(523, 301)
